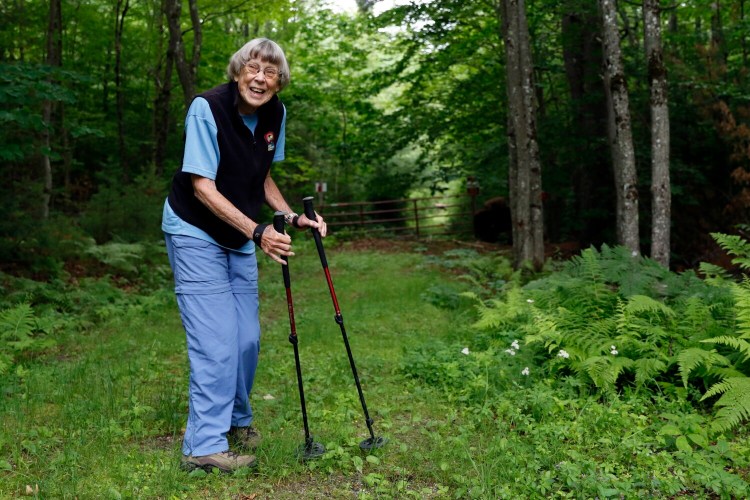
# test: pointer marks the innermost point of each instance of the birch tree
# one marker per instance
(524, 171)
(661, 197)
(619, 129)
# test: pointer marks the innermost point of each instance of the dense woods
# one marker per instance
(629, 119)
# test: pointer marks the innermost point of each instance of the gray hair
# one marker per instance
(265, 50)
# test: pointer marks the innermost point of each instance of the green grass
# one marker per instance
(102, 416)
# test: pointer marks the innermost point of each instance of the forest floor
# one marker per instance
(102, 416)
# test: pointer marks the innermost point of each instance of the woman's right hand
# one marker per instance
(276, 245)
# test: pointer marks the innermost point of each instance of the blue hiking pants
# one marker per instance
(217, 293)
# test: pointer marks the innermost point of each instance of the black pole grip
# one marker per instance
(278, 225)
(307, 203)
(278, 221)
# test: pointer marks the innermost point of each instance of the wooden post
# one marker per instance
(416, 218)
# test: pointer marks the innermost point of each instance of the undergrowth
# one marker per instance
(602, 377)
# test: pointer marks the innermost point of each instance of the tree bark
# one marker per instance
(525, 173)
(163, 87)
(582, 56)
(187, 71)
(620, 133)
(718, 41)
(121, 10)
(661, 197)
(53, 59)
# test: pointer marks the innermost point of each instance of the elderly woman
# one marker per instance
(233, 133)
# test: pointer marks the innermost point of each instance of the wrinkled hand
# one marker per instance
(318, 224)
(276, 245)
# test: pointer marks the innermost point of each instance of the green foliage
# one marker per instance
(130, 212)
(734, 403)
(737, 246)
(613, 320)
(22, 333)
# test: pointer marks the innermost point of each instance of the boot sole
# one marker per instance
(190, 467)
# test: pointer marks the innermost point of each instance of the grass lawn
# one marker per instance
(103, 416)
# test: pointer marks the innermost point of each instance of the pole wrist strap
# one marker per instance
(258, 233)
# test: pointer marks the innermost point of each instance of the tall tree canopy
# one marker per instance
(384, 104)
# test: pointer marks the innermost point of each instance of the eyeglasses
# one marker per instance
(269, 72)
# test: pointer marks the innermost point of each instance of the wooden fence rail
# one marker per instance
(426, 216)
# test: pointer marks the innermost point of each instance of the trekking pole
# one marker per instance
(310, 449)
(372, 441)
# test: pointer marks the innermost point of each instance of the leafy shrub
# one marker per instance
(129, 212)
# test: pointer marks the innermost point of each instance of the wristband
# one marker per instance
(291, 219)
(258, 233)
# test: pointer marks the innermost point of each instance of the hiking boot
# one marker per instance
(225, 461)
(244, 437)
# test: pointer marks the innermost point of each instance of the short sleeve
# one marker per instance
(201, 155)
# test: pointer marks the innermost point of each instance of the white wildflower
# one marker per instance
(465, 350)
(515, 345)
(614, 352)
(511, 352)
(268, 397)
(525, 371)
(563, 354)
(530, 301)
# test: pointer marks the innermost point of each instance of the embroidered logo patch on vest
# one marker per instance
(270, 141)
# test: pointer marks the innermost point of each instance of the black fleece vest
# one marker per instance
(243, 165)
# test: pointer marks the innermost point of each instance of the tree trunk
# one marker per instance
(54, 59)
(163, 87)
(591, 173)
(621, 137)
(186, 71)
(525, 169)
(121, 11)
(718, 41)
(661, 197)
(743, 34)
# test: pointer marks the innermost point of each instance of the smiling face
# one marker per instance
(257, 82)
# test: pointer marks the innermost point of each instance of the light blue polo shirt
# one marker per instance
(201, 157)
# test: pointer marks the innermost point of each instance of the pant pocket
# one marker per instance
(200, 266)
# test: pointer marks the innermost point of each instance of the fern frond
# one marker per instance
(734, 402)
(17, 323)
(605, 370)
(734, 342)
(643, 304)
(647, 369)
(690, 359)
(713, 273)
(735, 245)
(741, 294)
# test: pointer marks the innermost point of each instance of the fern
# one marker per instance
(735, 245)
(688, 360)
(734, 402)
(642, 304)
(604, 370)
(646, 369)
(19, 332)
(734, 342)
(17, 325)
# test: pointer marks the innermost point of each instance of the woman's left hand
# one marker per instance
(318, 224)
